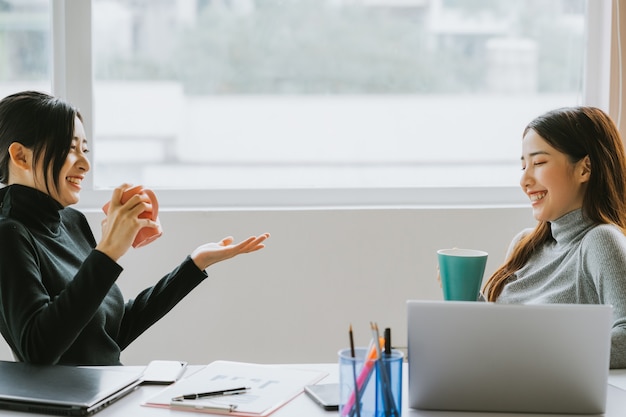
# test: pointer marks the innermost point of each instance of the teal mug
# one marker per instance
(461, 272)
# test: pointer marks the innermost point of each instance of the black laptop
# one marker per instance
(62, 390)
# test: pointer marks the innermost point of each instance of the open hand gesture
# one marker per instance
(211, 253)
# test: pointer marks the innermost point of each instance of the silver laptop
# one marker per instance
(475, 356)
(62, 390)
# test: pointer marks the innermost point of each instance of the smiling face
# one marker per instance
(74, 168)
(72, 172)
(554, 184)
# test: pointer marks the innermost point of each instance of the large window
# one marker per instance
(270, 97)
(25, 46)
(223, 94)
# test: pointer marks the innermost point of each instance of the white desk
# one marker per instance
(303, 406)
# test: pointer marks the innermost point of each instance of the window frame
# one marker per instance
(73, 80)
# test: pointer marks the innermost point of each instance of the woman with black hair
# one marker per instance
(59, 303)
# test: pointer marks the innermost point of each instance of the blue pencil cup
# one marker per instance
(378, 382)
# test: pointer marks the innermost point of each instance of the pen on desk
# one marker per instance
(220, 393)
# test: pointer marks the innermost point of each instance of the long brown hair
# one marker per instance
(576, 132)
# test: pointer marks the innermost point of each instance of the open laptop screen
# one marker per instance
(476, 356)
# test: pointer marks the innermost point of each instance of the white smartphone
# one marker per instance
(326, 395)
(163, 372)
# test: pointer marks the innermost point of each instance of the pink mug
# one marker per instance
(146, 234)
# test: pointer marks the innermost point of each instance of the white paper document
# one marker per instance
(270, 387)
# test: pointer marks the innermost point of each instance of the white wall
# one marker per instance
(321, 271)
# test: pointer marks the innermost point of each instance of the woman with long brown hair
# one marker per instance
(574, 173)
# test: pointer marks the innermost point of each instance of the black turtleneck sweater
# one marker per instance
(59, 303)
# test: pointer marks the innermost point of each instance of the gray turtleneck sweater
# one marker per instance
(584, 264)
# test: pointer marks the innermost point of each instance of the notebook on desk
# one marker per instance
(475, 356)
(62, 390)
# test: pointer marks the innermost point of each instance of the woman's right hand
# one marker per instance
(122, 222)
